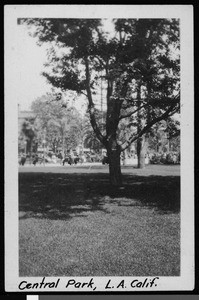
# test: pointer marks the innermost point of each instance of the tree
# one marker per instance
(137, 68)
(172, 129)
(165, 136)
(90, 139)
(30, 132)
(59, 124)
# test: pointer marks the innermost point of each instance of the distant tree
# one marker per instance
(59, 124)
(21, 144)
(139, 68)
(92, 142)
(30, 132)
(173, 134)
(165, 136)
(172, 127)
(157, 139)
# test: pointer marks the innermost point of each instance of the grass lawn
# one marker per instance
(73, 223)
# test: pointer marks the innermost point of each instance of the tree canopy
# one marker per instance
(138, 67)
(58, 124)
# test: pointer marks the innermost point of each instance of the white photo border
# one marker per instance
(183, 12)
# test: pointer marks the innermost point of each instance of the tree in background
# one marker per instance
(157, 140)
(57, 123)
(30, 132)
(173, 134)
(165, 136)
(138, 67)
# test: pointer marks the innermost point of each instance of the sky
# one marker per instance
(30, 59)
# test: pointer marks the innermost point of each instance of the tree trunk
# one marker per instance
(141, 140)
(31, 150)
(124, 155)
(63, 144)
(141, 152)
(113, 149)
(115, 167)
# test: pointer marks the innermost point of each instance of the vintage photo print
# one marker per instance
(99, 148)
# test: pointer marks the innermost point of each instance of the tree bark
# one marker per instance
(141, 152)
(114, 166)
(140, 140)
(63, 144)
(112, 120)
(113, 149)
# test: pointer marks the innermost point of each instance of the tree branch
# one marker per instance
(168, 113)
(100, 60)
(156, 101)
(133, 112)
(84, 94)
(91, 109)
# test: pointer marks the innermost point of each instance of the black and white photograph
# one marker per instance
(99, 148)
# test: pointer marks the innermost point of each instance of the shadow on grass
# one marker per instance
(63, 196)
